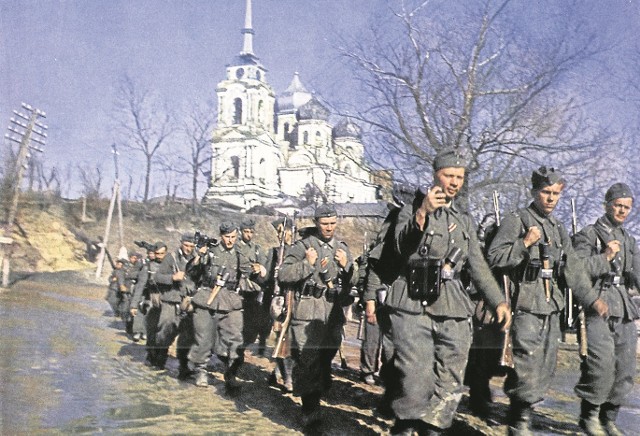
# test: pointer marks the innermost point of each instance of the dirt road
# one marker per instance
(67, 367)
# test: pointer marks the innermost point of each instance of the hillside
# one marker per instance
(52, 235)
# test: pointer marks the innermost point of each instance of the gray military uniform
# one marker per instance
(317, 321)
(536, 323)
(609, 369)
(171, 324)
(432, 338)
(218, 326)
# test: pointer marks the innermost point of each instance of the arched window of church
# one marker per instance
(235, 165)
(305, 137)
(260, 107)
(318, 136)
(237, 112)
(286, 131)
(258, 75)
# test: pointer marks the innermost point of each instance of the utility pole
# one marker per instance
(28, 129)
(115, 198)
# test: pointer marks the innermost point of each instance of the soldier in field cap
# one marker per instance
(320, 269)
(529, 247)
(430, 309)
(613, 262)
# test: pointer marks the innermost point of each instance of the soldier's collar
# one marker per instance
(541, 217)
(605, 223)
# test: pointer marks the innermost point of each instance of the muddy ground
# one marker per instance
(66, 366)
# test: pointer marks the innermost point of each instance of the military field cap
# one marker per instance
(187, 237)
(158, 245)
(618, 190)
(249, 223)
(123, 260)
(227, 227)
(449, 158)
(544, 176)
(134, 254)
(278, 222)
(324, 211)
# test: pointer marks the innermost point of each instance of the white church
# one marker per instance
(269, 149)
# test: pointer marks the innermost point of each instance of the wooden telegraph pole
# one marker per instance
(115, 199)
(28, 129)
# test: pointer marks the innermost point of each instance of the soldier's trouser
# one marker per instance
(139, 323)
(124, 306)
(170, 326)
(228, 334)
(536, 340)
(151, 323)
(112, 299)
(257, 322)
(608, 371)
(203, 326)
(369, 348)
(314, 345)
(430, 358)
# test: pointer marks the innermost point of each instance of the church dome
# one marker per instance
(294, 96)
(313, 110)
(347, 129)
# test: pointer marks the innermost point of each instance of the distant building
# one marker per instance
(268, 149)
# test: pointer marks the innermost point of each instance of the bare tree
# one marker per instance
(472, 83)
(91, 180)
(198, 130)
(144, 124)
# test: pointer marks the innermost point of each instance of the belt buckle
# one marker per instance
(546, 273)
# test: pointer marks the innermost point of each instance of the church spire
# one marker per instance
(247, 32)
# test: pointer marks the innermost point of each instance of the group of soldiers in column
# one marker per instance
(419, 288)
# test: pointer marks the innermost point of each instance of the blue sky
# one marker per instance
(66, 56)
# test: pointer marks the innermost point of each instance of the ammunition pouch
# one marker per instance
(531, 271)
(424, 279)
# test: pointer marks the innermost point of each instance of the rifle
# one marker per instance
(283, 343)
(506, 356)
(363, 263)
(221, 279)
(582, 322)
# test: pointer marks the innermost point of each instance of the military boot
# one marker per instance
(608, 416)
(202, 376)
(590, 419)
(230, 375)
(184, 372)
(519, 419)
(311, 419)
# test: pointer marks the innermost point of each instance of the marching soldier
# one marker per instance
(430, 308)
(272, 292)
(613, 262)
(218, 302)
(320, 269)
(174, 286)
(147, 290)
(257, 324)
(535, 250)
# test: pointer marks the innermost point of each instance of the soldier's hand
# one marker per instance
(311, 255)
(178, 276)
(203, 250)
(133, 311)
(533, 235)
(341, 257)
(613, 247)
(503, 316)
(370, 312)
(600, 307)
(435, 199)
